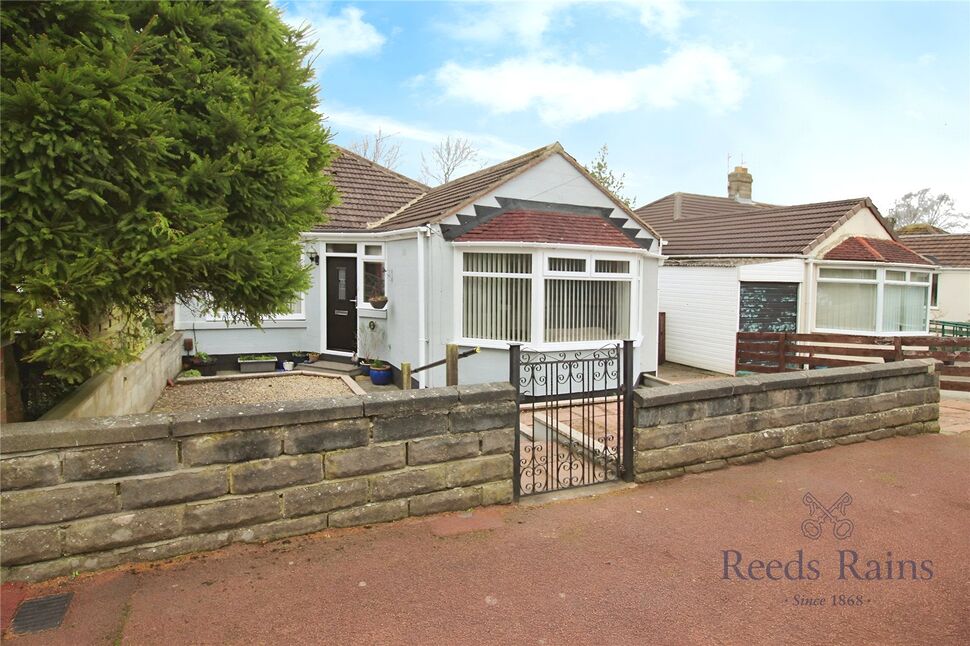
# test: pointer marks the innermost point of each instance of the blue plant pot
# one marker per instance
(365, 369)
(381, 377)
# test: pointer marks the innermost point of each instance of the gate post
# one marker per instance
(628, 387)
(514, 378)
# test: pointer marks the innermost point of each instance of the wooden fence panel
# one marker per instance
(781, 352)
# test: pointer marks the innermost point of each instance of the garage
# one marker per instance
(768, 307)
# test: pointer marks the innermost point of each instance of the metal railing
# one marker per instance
(949, 328)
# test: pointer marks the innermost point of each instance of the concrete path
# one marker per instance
(643, 565)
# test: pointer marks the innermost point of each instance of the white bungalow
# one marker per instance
(736, 265)
(531, 251)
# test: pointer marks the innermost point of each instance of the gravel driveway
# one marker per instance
(248, 391)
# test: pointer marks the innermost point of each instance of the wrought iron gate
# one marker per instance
(575, 421)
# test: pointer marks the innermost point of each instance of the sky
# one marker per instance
(821, 101)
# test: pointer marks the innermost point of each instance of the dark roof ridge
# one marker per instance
(713, 197)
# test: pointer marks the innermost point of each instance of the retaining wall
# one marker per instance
(126, 389)
(706, 425)
(88, 494)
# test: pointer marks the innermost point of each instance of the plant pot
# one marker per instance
(288, 365)
(312, 357)
(381, 377)
(257, 365)
(378, 302)
(364, 369)
(207, 369)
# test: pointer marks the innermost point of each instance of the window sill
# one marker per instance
(542, 347)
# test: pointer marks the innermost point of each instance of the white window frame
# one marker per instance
(540, 272)
(880, 281)
(362, 258)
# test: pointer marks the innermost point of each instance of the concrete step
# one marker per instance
(332, 366)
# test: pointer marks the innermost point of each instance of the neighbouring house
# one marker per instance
(737, 265)
(531, 251)
(950, 296)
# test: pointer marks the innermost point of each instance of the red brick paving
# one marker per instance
(955, 415)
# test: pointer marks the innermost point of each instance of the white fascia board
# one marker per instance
(363, 234)
(877, 265)
(547, 245)
(734, 255)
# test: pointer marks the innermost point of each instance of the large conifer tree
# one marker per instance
(152, 151)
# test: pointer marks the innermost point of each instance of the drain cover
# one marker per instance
(41, 613)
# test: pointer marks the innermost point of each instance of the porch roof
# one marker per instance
(551, 228)
(860, 248)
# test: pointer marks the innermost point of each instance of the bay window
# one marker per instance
(546, 297)
(883, 301)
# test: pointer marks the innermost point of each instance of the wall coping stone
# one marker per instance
(242, 417)
(43, 435)
(716, 388)
(409, 401)
(85, 431)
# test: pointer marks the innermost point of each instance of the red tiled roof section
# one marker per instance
(759, 230)
(441, 199)
(859, 248)
(948, 249)
(552, 228)
(368, 192)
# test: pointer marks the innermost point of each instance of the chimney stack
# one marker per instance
(739, 184)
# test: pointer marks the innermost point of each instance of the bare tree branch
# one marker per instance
(446, 158)
(379, 149)
(920, 207)
(600, 170)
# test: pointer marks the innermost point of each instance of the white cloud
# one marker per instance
(525, 23)
(564, 93)
(343, 34)
(490, 146)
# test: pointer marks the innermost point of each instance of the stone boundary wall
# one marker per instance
(81, 495)
(126, 389)
(706, 425)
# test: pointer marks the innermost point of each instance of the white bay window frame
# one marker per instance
(541, 272)
(880, 281)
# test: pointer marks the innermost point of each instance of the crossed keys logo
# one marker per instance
(819, 514)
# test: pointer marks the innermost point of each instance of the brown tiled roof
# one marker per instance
(860, 248)
(761, 230)
(664, 211)
(367, 191)
(948, 250)
(553, 228)
(441, 201)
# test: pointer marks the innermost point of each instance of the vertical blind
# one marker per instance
(497, 301)
(904, 308)
(586, 310)
(497, 307)
(846, 306)
(852, 306)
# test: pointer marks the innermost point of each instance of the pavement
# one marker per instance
(955, 412)
(640, 565)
